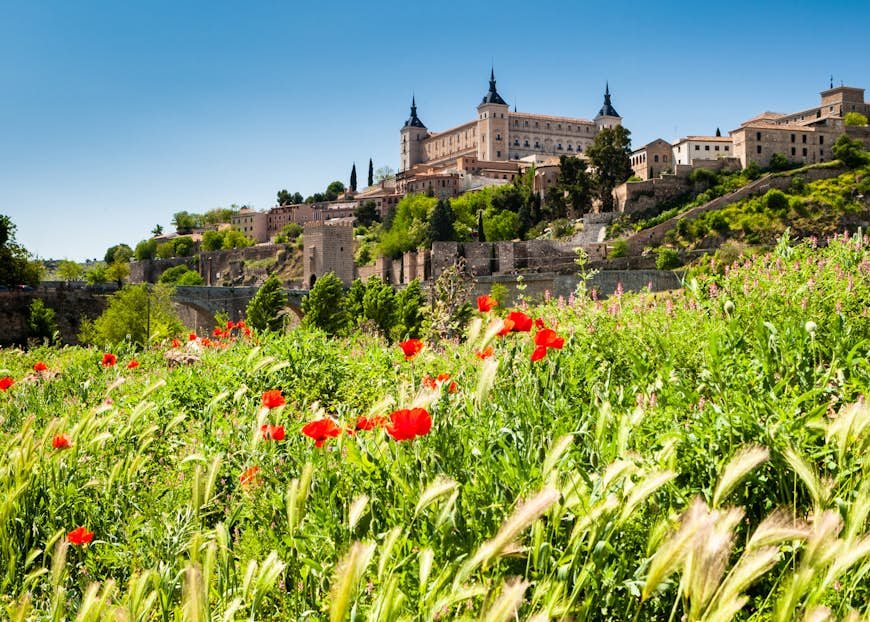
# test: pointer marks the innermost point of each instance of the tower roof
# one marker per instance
(414, 120)
(492, 97)
(607, 110)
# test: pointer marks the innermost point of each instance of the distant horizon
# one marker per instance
(118, 116)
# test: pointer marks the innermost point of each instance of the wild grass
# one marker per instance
(678, 458)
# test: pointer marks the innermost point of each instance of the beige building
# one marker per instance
(691, 148)
(498, 135)
(805, 136)
(328, 248)
(301, 213)
(252, 223)
(652, 159)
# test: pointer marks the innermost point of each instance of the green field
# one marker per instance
(700, 455)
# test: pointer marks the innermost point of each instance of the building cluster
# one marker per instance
(499, 144)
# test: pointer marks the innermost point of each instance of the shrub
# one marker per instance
(40, 322)
(264, 310)
(850, 152)
(775, 201)
(855, 118)
(703, 176)
(667, 258)
(138, 314)
(323, 307)
(619, 249)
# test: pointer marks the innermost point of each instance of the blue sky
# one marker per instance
(115, 115)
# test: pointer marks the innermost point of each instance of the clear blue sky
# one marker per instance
(115, 115)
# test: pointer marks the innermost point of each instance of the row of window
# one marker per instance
(707, 148)
(547, 125)
(641, 158)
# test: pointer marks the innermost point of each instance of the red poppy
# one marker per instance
(246, 331)
(484, 354)
(405, 424)
(206, 342)
(192, 337)
(549, 339)
(539, 323)
(321, 430)
(272, 432)
(411, 348)
(241, 324)
(40, 366)
(506, 327)
(176, 343)
(368, 423)
(522, 322)
(109, 359)
(250, 477)
(273, 399)
(5, 383)
(486, 303)
(61, 441)
(79, 536)
(429, 382)
(230, 325)
(539, 353)
(217, 332)
(133, 364)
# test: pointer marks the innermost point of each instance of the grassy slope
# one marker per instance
(652, 396)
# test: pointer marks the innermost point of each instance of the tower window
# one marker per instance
(757, 135)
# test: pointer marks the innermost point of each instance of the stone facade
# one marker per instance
(652, 159)
(328, 248)
(253, 224)
(301, 213)
(692, 148)
(500, 135)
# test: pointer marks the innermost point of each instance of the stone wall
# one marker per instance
(70, 303)
(328, 248)
(493, 258)
(149, 271)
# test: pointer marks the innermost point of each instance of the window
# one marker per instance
(821, 140)
(758, 149)
(757, 135)
(498, 154)
(792, 138)
(821, 153)
(706, 147)
(655, 158)
(793, 151)
(664, 158)
(498, 136)
(525, 143)
(697, 147)
(569, 147)
(559, 146)
(805, 151)
(717, 147)
(516, 142)
(537, 145)
(804, 139)
(726, 147)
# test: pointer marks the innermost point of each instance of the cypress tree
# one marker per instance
(441, 222)
(353, 177)
(718, 132)
(481, 236)
(371, 173)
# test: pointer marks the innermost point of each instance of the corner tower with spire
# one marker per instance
(492, 125)
(607, 116)
(413, 133)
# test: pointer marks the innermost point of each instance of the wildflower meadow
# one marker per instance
(693, 455)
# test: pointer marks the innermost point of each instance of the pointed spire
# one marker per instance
(414, 120)
(492, 97)
(607, 110)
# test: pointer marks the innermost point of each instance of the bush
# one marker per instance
(137, 314)
(264, 310)
(667, 258)
(703, 176)
(855, 118)
(619, 249)
(40, 322)
(775, 201)
(850, 152)
(323, 307)
(181, 275)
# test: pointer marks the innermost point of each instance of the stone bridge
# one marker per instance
(201, 304)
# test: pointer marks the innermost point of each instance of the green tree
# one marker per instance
(233, 238)
(146, 249)
(409, 312)
(502, 226)
(353, 302)
(286, 198)
(441, 221)
(323, 307)
(353, 177)
(40, 322)
(118, 252)
(185, 222)
(850, 152)
(133, 312)
(365, 214)
(855, 118)
(118, 272)
(181, 275)
(610, 155)
(183, 246)
(220, 215)
(481, 234)
(165, 250)
(289, 233)
(333, 190)
(383, 173)
(96, 275)
(379, 305)
(69, 270)
(371, 178)
(157, 230)
(212, 240)
(264, 312)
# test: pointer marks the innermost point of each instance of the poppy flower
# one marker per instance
(133, 364)
(241, 324)
(539, 353)
(549, 339)
(217, 332)
(109, 359)
(61, 441)
(486, 303)
(539, 323)
(522, 322)
(434, 383)
(40, 366)
(411, 348)
(272, 432)
(368, 423)
(273, 399)
(506, 327)
(230, 325)
(484, 354)
(206, 342)
(321, 430)
(6, 382)
(407, 423)
(246, 331)
(192, 337)
(176, 343)
(79, 536)
(250, 477)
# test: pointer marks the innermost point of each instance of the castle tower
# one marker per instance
(607, 116)
(412, 135)
(492, 125)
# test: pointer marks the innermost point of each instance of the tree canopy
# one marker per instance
(16, 267)
(610, 155)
